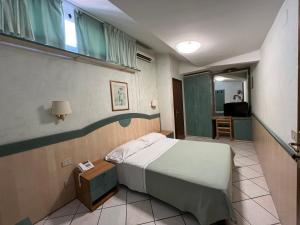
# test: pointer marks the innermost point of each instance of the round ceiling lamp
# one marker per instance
(219, 78)
(187, 47)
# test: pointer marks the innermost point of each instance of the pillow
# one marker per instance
(119, 154)
(151, 138)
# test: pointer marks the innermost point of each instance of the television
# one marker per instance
(238, 109)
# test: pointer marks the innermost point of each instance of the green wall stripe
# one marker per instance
(284, 145)
(21, 146)
(125, 122)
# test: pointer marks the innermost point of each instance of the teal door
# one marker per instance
(198, 105)
(220, 100)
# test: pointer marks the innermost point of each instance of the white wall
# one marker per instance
(29, 81)
(230, 87)
(274, 96)
(167, 67)
(165, 91)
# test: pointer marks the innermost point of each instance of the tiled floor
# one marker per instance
(251, 199)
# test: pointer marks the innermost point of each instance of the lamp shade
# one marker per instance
(61, 108)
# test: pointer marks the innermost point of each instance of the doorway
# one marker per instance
(178, 109)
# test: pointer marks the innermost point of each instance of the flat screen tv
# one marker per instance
(238, 109)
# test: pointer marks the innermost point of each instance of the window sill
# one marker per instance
(36, 47)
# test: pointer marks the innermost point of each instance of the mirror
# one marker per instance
(230, 88)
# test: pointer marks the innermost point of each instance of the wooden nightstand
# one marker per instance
(95, 186)
(169, 134)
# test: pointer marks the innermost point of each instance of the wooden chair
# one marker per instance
(224, 126)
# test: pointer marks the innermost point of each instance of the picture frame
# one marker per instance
(119, 95)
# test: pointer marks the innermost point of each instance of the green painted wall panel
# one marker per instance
(242, 129)
(198, 102)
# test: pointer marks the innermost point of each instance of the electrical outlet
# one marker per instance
(66, 162)
(294, 136)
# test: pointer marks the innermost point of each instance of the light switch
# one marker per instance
(294, 136)
(66, 162)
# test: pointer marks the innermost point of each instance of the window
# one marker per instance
(70, 29)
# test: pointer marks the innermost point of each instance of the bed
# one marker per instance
(192, 176)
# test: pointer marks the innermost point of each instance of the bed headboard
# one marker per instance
(37, 167)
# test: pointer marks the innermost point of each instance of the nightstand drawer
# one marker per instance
(97, 182)
(111, 179)
(97, 193)
(95, 186)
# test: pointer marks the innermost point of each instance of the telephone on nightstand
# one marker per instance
(85, 166)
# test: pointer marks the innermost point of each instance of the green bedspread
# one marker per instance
(194, 177)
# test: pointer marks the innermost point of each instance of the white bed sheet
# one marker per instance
(132, 171)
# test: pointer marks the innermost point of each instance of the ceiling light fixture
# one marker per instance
(219, 78)
(187, 47)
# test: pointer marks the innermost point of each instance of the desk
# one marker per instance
(242, 128)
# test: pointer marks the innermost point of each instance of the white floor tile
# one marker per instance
(82, 209)
(257, 168)
(254, 213)
(253, 158)
(118, 199)
(67, 210)
(189, 219)
(237, 195)
(151, 223)
(267, 203)
(240, 220)
(261, 181)
(139, 212)
(65, 220)
(40, 222)
(247, 172)
(113, 216)
(250, 188)
(162, 210)
(243, 161)
(244, 152)
(87, 218)
(133, 196)
(171, 221)
(236, 176)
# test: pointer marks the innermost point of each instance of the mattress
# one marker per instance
(192, 176)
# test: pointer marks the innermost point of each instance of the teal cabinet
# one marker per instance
(242, 128)
(198, 105)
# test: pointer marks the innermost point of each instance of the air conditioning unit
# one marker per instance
(143, 56)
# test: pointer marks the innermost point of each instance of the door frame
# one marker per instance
(178, 80)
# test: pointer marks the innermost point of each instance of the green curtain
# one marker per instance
(36, 20)
(120, 47)
(16, 18)
(90, 36)
(49, 22)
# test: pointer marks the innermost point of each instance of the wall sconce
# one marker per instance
(154, 103)
(61, 109)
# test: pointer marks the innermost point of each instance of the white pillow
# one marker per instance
(119, 154)
(151, 138)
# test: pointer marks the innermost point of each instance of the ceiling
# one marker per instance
(225, 28)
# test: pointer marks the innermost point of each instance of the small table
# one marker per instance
(95, 186)
(168, 133)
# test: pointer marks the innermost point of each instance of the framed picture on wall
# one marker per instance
(119, 95)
